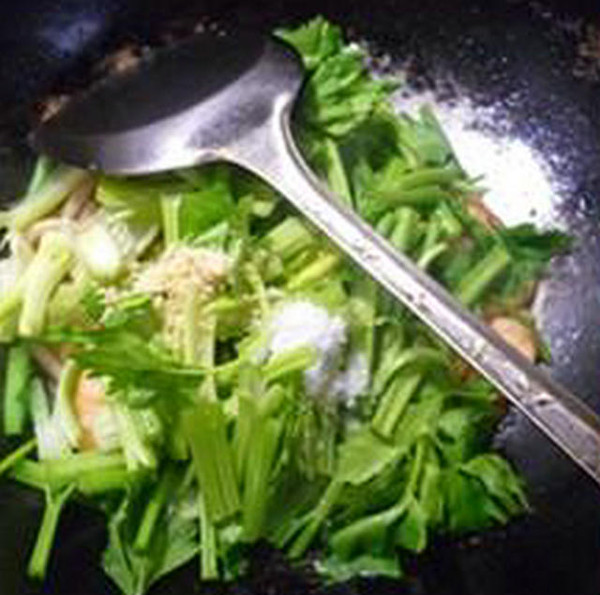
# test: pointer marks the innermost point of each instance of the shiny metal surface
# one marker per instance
(245, 119)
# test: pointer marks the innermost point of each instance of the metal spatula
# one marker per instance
(230, 99)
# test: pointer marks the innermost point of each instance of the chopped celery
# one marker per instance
(16, 390)
(321, 511)
(336, 176)
(257, 385)
(48, 268)
(208, 543)
(109, 243)
(42, 170)
(290, 361)
(63, 408)
(46, 198)
(17, 456)
(75, 302)
(170, 208)
(483, 274)
(139, 453)
(316, 271)
(97, 474)
(38, 563)
(394, 402)
(154, 508)
(51, 440)
(289, 238)
(204, 426)
(259, 469)
(430, 255)
(405, 233)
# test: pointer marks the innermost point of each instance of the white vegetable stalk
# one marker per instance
(43, 200)
(107, 244)
(51, 439)
(48, 268)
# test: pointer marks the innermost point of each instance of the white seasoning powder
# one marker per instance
(519, 184)
(302, 323)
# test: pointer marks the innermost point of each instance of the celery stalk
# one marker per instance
(403, 235)
(48, 268)
(46, 198)
(204, 426)
(69, 470)
(288, 362)
(67, 386)
(316, 271)
(482, 275)
(208, 543)
(336, 174)
(153, 510)
(429, 256)
(244, 426)
(393, 404)
(17, 456)
(89, 477)
(137, 453)
(318, 516)
(41, 171)
(38, 563)
(109, 480)
(289, 238)
(18, 376)
(170, 207)
(30, 473)
(259, 467)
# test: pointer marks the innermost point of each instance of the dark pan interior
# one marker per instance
(533, 59)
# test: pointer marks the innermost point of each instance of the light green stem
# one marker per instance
(38, 563)
(17, 456)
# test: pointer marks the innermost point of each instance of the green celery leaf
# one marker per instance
(175, 543)
(468, 506)
(430, 496)
(531, 251)
(423, 141)
(340, 95)
(411, 533)
(135, 198)
(464, 431)
(136, 369)
(315, 41)
(364, 455)
(500, 480)
(525, 242)
(208, 204)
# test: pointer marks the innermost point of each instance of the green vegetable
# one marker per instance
(206, 431)
(315, 41)
(40, 556)
(43, 198)
(16, 390)
(48, 268)
(16, 456)
(137, 371)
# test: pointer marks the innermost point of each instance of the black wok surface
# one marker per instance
(532, 59)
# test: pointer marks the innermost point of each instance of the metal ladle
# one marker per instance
(217, 98)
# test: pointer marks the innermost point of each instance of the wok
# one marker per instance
(538, 64)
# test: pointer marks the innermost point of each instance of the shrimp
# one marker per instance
(516, 334)
(89, 404)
